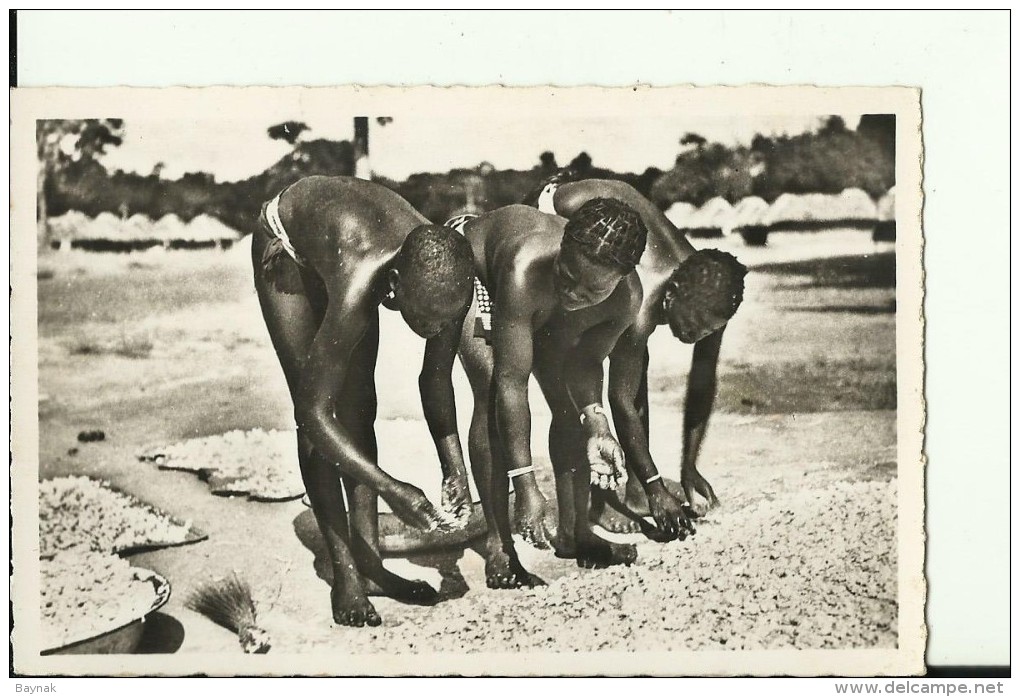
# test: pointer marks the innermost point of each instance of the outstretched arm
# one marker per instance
(626, 372)
(435, 384)
(583, 375)
(321, 385)
(626, 369)
(701, 391)
(513, 354)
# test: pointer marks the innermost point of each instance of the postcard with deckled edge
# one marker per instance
(179, 252)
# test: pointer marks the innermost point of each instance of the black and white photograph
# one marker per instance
(509, 381)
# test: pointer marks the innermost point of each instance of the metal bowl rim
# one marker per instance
(161, 588)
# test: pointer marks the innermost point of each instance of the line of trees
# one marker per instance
(72, 177)
(826, 161)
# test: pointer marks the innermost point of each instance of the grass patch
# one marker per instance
(136, 295)
(783, 388)
(887, 309)
(126, 346)
(871, 271)
(140, 266)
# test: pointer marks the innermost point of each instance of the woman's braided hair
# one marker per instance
(609, 231)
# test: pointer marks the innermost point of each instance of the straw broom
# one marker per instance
(228, 602)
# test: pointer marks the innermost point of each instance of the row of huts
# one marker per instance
(108, 232)
(753, 218)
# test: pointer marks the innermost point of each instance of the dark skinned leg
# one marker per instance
(532, 516)
(573, 481)
(292, 321)
(635, 499)
(502, 567)
(357, 411)
(563, 452)
(614, 515)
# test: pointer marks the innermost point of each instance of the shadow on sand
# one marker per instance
(444, 559)
(162, 634)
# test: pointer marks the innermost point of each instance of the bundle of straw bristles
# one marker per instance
(228, 602)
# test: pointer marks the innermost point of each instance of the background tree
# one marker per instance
(694, 139)
(63, 144)
(704, 171)
(581, 165)
(647, 179)
(547, 163)
(833, 125)
(828, 160)
(881, 130)
(288, 131)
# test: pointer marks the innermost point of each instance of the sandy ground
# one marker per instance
(161, 347)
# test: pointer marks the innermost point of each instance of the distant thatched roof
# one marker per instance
(67, 225)
(138, 223)
(853, 204)
(206, 227)
(847, 206)
(679, 213)
(75, 225)
(716, 213)
(887, 206)
(169, 227)
(786, 207)
(749, 212)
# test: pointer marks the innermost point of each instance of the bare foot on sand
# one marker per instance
(636, 501)
(386, 583)
(352, 609)
(608, 513)
(505, 572)
(595, 553)
(533, 518)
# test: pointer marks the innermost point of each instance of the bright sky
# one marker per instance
(235, 149)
